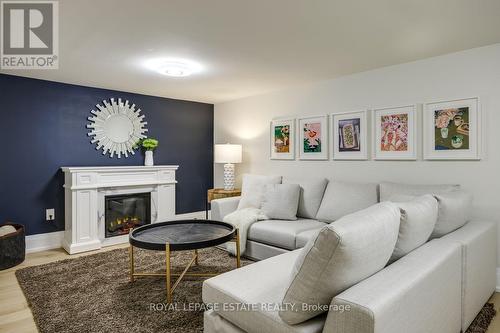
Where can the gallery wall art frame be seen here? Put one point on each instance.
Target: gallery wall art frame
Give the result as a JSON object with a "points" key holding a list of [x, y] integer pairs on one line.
{"points": [[312, 137], [349, 135], [452, 129], [394, 133], [282, 139]]}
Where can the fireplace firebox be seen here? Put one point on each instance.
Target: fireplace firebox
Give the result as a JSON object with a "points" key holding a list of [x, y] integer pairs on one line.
{"points": [[125, 212]]}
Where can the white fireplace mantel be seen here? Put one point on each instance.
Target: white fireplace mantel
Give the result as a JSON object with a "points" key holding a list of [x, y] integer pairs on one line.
{"points": [[86, 188]]}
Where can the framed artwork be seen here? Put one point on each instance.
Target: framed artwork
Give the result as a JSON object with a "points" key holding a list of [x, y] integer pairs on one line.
{"points": [[395, 133], [349, 135], [282, 139], [452, 130], [313, 138]]}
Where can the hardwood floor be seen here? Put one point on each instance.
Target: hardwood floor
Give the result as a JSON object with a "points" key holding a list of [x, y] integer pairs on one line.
{"points": [[15, 315]]}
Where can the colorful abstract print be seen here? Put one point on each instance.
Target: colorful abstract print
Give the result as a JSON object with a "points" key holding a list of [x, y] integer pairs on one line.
{"points": [[312, 138], [349, 134], [282, 139], [394, 132], [451, 129]]}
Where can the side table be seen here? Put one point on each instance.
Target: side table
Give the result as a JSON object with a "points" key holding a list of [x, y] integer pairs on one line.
{"points": [[218, 193]]}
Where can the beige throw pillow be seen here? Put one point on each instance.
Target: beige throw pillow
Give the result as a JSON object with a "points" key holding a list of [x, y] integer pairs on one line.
{"points": [[311, 194], [418, 218], [281, 201], [454, 211], [391, 191], [253, 189], [342, 198], [342, 254]]}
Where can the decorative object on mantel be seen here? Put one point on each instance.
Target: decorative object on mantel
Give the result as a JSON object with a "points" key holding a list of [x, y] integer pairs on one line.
{"points": [[116, 127], [149, 145], [12, 245], [228, 154]]}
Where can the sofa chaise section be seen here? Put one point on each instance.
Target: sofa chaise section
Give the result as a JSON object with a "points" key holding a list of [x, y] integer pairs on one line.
{"points": [[262, 285], [419, 293]]}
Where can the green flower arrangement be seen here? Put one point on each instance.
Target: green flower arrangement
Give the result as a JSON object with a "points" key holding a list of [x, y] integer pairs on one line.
{"points": [[147, 144]]}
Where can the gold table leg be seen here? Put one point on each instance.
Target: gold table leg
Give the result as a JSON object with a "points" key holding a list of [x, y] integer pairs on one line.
{"points": [[167, 272], [131, 260], [184, 273], [238, 261]]}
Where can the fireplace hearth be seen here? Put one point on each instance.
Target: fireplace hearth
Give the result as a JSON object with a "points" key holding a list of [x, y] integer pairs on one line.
{"points": [[125, 212]]}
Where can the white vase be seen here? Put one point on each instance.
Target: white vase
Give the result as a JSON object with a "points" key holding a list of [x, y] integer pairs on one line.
{"points": [[148, 161]]}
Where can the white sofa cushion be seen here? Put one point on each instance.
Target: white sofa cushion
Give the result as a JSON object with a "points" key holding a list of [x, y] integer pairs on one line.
{"points": [[342, 198], [418, 218], [253, 189], [281, 233], [392, 191], [454, 212], [260, 284], [305, 236], [342, 254], [311, 193], [281, 201]]}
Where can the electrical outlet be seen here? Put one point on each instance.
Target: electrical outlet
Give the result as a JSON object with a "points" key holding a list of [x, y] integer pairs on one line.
{"points": [[50, 214]]}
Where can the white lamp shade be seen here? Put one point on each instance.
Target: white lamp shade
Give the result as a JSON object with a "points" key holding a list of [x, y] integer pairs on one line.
{"points": [[227, 153]]}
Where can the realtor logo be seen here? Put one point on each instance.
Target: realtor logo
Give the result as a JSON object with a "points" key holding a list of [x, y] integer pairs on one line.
{"points": [[29, 35]]}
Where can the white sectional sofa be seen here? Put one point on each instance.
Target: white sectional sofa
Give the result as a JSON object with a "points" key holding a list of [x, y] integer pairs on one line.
{"points": [[438, 287]]}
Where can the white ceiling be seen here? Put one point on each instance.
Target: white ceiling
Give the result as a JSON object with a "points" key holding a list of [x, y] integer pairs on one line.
{"points": [[250, 47]]}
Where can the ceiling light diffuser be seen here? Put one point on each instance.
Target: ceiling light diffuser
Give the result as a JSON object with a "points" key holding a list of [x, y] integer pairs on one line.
{"points": [[174, 67]]}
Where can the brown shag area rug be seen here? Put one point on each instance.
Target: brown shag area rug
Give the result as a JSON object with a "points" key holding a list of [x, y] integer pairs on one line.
{"points": [[93, 293], [483, 319]]}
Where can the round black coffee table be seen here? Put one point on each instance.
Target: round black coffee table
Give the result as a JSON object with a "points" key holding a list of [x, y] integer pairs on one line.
{"points": [[180, 235]]}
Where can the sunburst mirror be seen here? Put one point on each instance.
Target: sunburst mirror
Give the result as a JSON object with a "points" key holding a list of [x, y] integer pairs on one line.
{"points": [[116, 127]]}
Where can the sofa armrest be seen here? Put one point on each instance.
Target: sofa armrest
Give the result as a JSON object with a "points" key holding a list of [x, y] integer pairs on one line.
{"points": [[479, 261], [222, 207], [419, 293]]}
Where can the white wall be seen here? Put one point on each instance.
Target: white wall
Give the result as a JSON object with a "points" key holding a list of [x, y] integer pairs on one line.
{"points": [[465, 74]]}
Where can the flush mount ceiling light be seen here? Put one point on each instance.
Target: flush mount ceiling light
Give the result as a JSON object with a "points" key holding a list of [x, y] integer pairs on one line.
{"points": [[173, 67]]}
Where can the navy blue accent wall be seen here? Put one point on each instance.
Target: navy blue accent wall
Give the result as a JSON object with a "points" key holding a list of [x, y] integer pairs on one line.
{"points": [[42, 128]]}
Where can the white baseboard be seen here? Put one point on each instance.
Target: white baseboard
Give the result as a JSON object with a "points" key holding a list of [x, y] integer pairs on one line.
{"points": [[54, 240], [42, 242], [194, 215], [498, 280]]}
